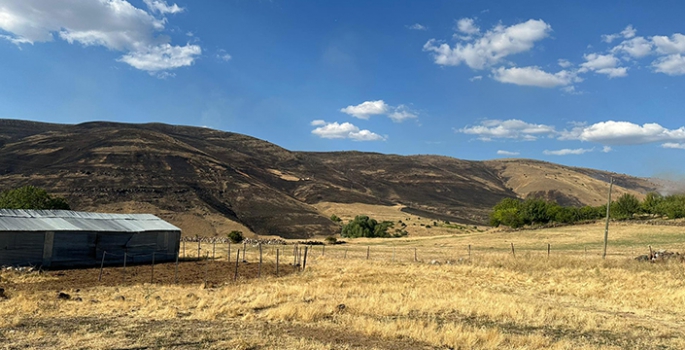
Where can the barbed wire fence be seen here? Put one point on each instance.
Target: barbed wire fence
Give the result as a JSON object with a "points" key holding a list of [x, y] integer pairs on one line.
{"points": [[229, 257]]}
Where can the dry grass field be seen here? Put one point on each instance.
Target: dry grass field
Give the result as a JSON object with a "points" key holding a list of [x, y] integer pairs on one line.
{"points": [[571, 300]]}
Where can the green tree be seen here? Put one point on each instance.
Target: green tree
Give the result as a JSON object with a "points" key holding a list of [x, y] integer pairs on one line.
{"points": [[625, 207], [30, 197], [534, 211], [363, 226], [651, 202], [335, 218], [236, 236], [507, 212]]}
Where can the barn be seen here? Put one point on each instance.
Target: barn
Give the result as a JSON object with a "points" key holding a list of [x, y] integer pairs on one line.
{"points": [[64, 238]]}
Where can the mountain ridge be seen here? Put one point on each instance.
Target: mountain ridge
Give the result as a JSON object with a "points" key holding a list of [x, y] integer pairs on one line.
{"points": [[228, 180]]}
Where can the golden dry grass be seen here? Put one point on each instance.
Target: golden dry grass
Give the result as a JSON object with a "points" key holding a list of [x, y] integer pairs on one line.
{"points": [[492, 301]]}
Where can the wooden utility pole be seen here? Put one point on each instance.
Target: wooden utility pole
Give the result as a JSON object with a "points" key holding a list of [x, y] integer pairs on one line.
{"points": [[606, 228]]}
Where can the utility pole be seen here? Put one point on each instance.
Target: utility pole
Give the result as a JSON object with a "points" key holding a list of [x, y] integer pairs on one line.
{"points": [[606, 228]]}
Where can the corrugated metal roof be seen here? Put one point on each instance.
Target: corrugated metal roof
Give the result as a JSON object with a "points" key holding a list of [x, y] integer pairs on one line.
{"points": [[66, 220]]}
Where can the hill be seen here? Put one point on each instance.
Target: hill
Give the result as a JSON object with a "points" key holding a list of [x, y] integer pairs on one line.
{"points": [[209, 182]]}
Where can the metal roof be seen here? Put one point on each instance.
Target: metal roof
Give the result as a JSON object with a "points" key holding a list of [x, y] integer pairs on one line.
{"points": [[67, 220]]}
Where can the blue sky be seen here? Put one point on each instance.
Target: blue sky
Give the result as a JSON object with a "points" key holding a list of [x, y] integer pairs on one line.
{"points": [[583, 83]]}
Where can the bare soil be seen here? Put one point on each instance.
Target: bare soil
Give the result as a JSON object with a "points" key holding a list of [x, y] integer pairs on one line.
{"points": [[216, 273]]}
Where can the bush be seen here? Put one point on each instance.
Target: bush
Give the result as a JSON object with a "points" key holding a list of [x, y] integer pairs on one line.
{"points": [[363, 226], [331, 240], [236, 236], [625, 207], [29, 197], [335, 218]]}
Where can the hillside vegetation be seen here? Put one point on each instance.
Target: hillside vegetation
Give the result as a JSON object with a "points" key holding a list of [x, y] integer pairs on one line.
{"points": [[210, 182]]}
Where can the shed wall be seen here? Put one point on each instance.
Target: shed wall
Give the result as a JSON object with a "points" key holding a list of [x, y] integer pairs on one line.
{"points": [[21, 248], [72, 249]]}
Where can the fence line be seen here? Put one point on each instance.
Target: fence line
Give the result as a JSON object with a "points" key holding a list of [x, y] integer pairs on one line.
{"points": [[303, 257]]}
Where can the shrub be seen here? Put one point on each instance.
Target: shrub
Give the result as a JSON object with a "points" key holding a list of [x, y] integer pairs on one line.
{"points": [[331, 240], [29, 197], [625, 207], [236, 236], [335, 218], [363, 226]]}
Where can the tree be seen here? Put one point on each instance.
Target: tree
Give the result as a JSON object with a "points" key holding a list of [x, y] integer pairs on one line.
{"points": [[363, 226], [507, 212], [30, 197], [335, 218], [650, 204], [236, 236], [625, 207]]}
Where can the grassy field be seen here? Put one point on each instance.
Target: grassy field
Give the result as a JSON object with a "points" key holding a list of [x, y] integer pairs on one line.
{"points": [[571, 300]]}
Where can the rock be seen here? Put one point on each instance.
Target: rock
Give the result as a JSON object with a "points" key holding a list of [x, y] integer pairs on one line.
{"points": [[119, 298], [63, 296], [340, 307], [78, 299]]}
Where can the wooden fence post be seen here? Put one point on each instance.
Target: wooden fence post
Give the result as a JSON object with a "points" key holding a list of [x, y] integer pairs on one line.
{"points": [[304, 262], [277, 253], [345, 257], [206, 267], [549, 248], [102, 264], [176, 271], [651, 253], [152, 271], [512, 250], [214, 249], [295, 255], [244, 251], [259, 272], [198, 249], [184, 249], [237, 262], [123, 278], [469, 251], [368, 250], [228, 257]]}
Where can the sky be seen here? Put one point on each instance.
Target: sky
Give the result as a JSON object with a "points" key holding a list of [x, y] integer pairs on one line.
{"points": [[597, 84]]}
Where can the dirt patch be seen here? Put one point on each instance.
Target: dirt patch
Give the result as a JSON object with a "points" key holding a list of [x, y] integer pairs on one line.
{"points": [[216, 273]]}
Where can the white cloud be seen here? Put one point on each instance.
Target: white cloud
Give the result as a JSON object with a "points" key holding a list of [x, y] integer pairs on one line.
{"points": [[467, 26], [636, 47], [507, 153], [629, 32], [671, 64], [223, 55], [477, 77], [510, 129], [603, 64], [564, 63], [401, 113], [343, 131], [161, 7], [489, 48], [673, 145], [114, 24], [666, 46], [318, 122], [162, 57], [369, 108], [626, 33], [534, 76], [567, 151], [606, 149], [417, 26], [624, 133]]}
